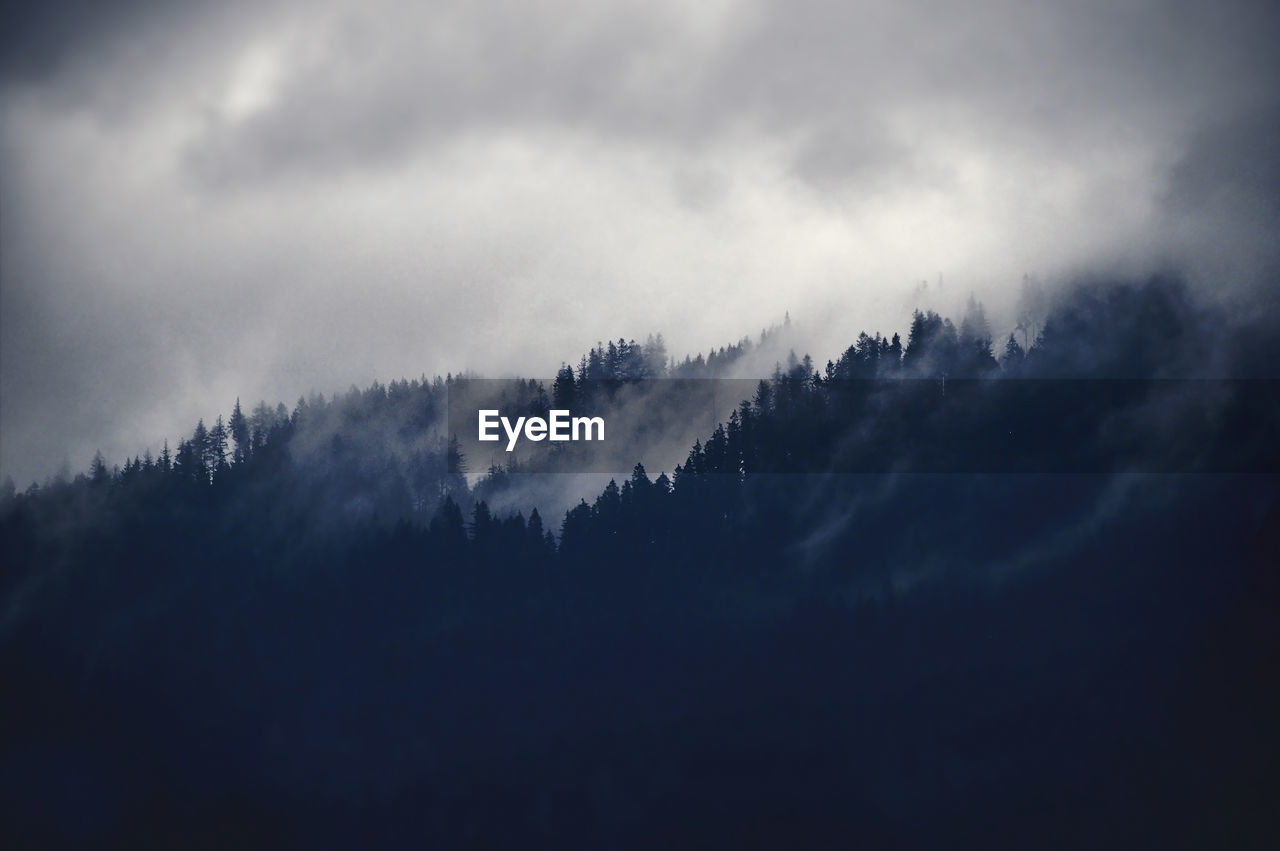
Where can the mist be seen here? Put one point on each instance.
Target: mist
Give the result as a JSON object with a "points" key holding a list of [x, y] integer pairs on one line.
{"points": [[261, 201]]}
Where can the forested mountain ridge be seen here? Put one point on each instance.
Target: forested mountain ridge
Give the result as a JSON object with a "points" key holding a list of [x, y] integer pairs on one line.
{"points": [[381, 455], [397, 429], [306, 627]]}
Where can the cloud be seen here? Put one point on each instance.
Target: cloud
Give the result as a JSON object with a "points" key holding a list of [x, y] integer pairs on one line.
{"points": [[202, 202]]}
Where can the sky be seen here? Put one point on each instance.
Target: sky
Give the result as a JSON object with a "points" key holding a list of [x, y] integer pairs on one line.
{"points": [[200, 202]]}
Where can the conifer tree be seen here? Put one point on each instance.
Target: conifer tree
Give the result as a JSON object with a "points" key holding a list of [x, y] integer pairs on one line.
{"points": [[216, 453], [98, 473], [238, 426], [563, 389], [1013, 354]]}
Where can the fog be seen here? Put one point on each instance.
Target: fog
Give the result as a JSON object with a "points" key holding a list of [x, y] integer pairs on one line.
{"points": [[262, 200]]}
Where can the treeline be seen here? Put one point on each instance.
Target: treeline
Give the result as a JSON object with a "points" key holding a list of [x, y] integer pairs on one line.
{"points": [[380, 456], [626, 361]]}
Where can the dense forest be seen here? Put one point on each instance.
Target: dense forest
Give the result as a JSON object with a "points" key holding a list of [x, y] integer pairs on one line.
{"points": [[947, 590]]}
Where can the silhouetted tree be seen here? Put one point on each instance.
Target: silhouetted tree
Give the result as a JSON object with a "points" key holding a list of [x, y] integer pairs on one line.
{"points": [[564, 389], [216, 451], [1013, 355], [98, 472], [238, 426]]}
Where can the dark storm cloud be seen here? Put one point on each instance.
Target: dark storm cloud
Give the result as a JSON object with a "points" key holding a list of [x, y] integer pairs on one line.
{"points": [[202, 201], [40, 39]]}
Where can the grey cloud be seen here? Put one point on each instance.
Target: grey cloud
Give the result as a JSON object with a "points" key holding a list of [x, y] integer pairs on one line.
{"points": [[386, 84], [1221, 201], [1231, 161], [865, 158], [208, 200], [1047, 77]]}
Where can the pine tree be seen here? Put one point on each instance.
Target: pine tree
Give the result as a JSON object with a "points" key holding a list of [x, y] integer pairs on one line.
{"points": [[98, 473], [198, 465], [482, 522], [655, 357], [917, 338], [608, 507], [563, 389], [975, 341], [456, 462], [1013, 354], [260, 423], [1033, 306], [216, 453], [447, 529], [894, 353], [239, 428]]}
